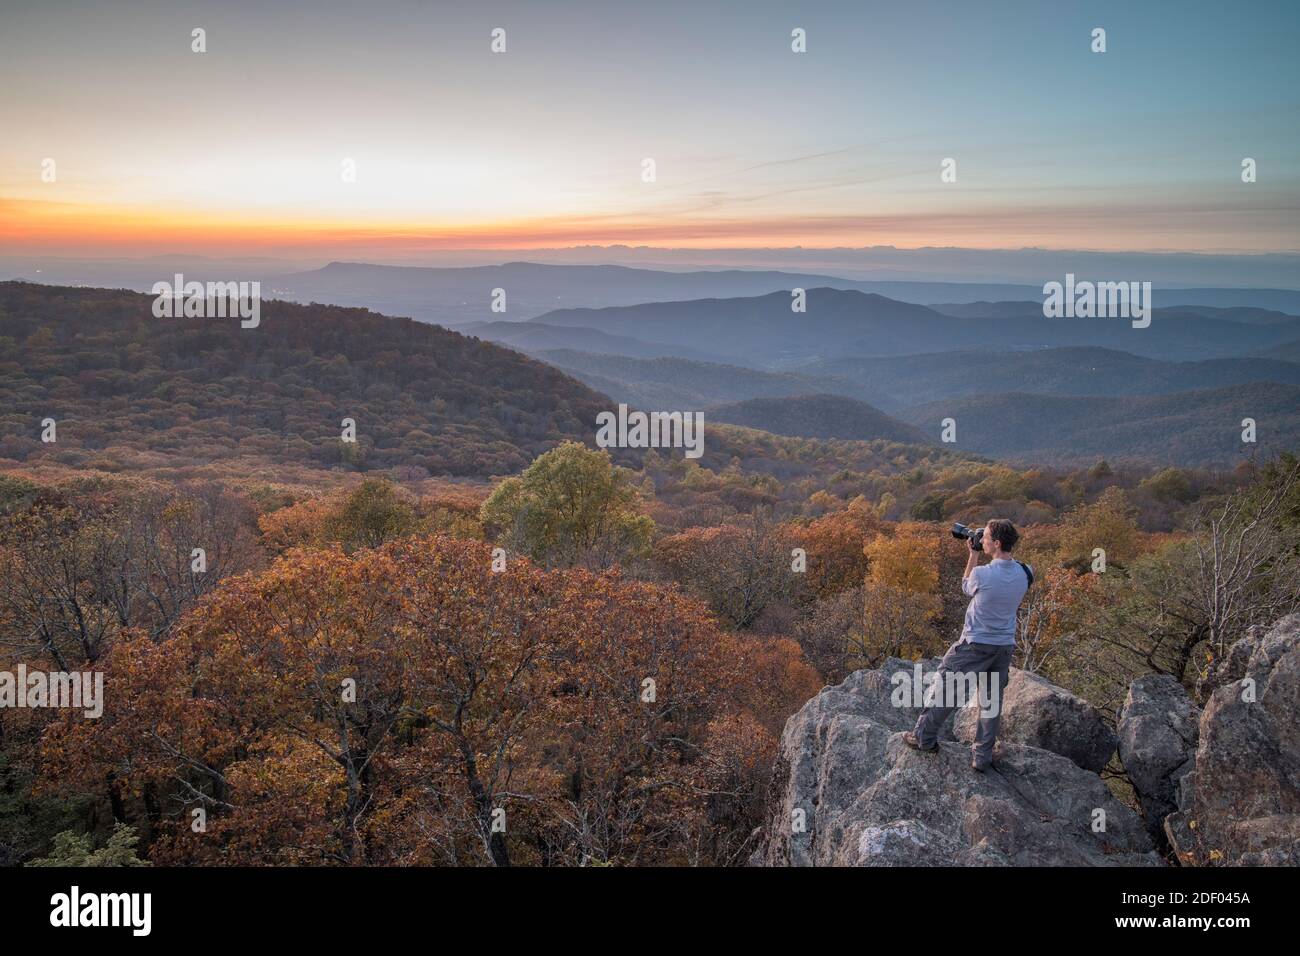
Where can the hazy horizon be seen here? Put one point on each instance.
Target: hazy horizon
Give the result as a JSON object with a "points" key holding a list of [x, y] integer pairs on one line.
{"points": [[880, 263]]}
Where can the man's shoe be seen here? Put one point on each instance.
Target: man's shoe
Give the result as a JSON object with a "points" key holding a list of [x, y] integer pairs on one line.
{"points": [[909, 738], [980, 767]]}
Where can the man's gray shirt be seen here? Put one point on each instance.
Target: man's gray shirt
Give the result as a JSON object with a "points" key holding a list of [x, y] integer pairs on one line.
{"points": [[996, 589]]}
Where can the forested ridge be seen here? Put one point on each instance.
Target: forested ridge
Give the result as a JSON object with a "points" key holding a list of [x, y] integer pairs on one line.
{"points": [[128, 390]]}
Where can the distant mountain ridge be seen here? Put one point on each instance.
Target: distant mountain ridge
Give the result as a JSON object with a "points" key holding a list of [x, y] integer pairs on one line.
{"points": [[455, 295], [455, 287], [459, 295], [764, 329], [1034, 309]]}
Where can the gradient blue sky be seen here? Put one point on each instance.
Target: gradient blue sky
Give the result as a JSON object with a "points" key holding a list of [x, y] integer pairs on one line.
{"points": [[238, 150]]}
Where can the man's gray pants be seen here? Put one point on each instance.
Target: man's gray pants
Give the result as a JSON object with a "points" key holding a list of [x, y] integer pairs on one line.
{"points": [[969, 658]]}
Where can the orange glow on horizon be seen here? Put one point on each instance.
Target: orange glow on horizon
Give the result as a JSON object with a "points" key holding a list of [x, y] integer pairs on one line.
{"points": [[34, 227]]}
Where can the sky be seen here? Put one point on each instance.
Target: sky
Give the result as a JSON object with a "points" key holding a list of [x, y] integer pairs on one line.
{"points": [[240, 150]]}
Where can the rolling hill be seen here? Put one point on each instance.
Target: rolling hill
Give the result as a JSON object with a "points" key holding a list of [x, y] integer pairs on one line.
{"points": [[897, 382], [536, 338], [1187, 428], [128, 390], [816, 416], [1286, 352], [667, 383]]}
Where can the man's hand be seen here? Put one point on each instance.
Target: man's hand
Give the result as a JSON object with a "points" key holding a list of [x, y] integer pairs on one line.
{"points": [[972, 562]]}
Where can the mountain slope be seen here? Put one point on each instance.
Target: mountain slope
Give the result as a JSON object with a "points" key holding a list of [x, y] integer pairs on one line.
{"points": [[130, 390], [897, 382], [1286, 352], [1201, 428], [816, 416], [675, 383], [1023, 308], [534, 338]]}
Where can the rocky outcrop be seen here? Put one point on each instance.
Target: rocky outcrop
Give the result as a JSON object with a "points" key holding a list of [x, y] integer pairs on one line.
{"points": [[1037, 713], [1157, 744], [1239, 803], [847, 791], [1221, 784]]}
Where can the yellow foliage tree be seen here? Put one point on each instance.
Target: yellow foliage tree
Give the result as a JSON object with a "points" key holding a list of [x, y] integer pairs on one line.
{"points": [[900, 596], [1108, 524]]}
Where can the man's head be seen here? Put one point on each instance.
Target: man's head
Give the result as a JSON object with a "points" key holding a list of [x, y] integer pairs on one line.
{"points": [[1000, 537]]}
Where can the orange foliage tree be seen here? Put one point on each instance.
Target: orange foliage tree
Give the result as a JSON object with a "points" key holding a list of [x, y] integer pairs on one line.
{"points": [[409, 705], [1053, 610], [835, 544], [739, 569]]}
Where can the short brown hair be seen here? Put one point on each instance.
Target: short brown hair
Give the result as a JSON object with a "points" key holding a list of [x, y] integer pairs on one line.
{"points": [[1004, 533]]}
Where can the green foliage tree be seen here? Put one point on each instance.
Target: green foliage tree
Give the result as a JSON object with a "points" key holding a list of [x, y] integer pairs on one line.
{"points": [[1178, 610], [370, 515], [28, 821], [570, 506], [77, 849], [1172, 484], [929, 508]]}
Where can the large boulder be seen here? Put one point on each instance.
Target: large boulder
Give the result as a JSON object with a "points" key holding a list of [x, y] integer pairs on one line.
{"points": [[1240, 802], [1157, 744], [1037, 713], [846, 791]]}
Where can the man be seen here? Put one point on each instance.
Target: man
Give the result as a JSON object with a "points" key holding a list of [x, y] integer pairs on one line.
{"points": [[987, 642]]}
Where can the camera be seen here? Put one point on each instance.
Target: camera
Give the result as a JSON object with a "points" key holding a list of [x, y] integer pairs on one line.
{"points": [[975, 537]]}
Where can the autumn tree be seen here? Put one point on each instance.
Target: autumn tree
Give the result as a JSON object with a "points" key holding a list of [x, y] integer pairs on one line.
{"points": [[738, 569], [369, 514], [411, 705], [1108, 523], [834, 545], [78, 570], [1054, 617], [1179, 609], [900, 595], [832, 631]]}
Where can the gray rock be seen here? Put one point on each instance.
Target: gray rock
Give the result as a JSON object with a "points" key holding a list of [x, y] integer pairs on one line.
{"points": [[1038, 713], [1241, 804], [846, 791], [1157, 741]]}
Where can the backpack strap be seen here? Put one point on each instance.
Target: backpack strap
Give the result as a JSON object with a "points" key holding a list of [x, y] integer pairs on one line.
{"points": [[1029, 573]]}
